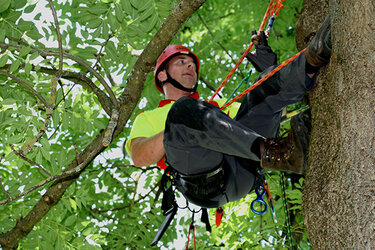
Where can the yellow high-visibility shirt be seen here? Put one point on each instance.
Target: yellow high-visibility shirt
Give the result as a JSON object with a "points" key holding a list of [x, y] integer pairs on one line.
{"points": [[152, 122]]}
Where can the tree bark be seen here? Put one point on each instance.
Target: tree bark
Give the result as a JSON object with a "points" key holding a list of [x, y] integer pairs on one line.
{"points": [[339, 191]]}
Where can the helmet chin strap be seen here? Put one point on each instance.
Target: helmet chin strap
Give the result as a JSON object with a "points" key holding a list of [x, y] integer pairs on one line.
{"points": [[178, 85]]}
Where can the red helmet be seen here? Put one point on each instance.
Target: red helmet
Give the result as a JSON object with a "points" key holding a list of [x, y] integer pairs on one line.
{"points": [[166, 55]]}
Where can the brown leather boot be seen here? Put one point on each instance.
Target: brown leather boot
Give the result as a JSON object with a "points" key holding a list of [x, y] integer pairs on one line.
{"points": [[284, 153], [318, 52]]}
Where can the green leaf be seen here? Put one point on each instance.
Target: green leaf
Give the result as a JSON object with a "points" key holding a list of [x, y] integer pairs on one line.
{"points": [[28, 68], [87, 231], [2, 32], [95, 23], [73, 204], [3, 60], [70, 220], [98, 9], [34, 55], [146, 14], [34, 34], [29, 8], [15, 66], [119, 13], [15, 139], [25, 51], [18, 4], [13, 16], [4, 5]]}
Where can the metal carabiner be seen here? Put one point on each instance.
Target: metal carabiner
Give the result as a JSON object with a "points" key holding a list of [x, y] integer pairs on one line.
{"points": [[260, 193]]}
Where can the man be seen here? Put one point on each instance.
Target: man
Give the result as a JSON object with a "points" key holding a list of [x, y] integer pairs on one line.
{"points": [[213, 158]]}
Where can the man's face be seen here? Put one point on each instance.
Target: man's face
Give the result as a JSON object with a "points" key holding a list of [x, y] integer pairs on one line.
{"points": [[183, 69]]}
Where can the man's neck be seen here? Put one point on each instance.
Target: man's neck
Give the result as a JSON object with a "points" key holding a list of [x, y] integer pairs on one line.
{"points": [[172, 93], [176, 96]]}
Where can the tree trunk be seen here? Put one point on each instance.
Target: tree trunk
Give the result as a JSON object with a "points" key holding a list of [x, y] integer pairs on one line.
{"points": [[339, 192]]}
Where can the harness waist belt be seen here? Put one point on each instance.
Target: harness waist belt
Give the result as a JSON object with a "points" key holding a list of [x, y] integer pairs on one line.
{"points": [[201, 187]]}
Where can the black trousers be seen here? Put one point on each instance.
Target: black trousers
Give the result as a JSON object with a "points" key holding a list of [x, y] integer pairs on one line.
{"points": [[199, 137]]}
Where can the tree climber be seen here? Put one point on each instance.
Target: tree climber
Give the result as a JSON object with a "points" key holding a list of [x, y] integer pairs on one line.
{"points": [[213, 158]]}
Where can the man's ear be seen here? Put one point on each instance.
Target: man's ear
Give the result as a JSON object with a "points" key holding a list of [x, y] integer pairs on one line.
{"points": [[162, 75]]}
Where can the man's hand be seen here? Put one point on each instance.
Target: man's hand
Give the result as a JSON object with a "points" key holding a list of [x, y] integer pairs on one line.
{"points": [[146, 151], [264, 56]]}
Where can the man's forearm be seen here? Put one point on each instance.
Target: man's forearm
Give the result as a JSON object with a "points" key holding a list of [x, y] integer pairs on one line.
{"points": [[146, 151]]}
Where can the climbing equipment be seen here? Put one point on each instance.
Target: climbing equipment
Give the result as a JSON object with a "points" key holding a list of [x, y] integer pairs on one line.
{"points": [[219, 216], [286, 211], [260, 192], [260, 81], [191, 227], [273, 10], [169, 206], [270, 201], [166, 55]]}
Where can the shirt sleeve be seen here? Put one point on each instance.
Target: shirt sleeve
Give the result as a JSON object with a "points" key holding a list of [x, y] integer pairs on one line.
{"points": [[142, 127]]}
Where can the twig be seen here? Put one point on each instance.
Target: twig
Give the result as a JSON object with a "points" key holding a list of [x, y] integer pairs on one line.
{"points": [[110, 77], [101, 51], [65, 174], [115, 179], [100, 211], [81, 79], [77, 154], [15, 78], [61, 58], [54, 132], [49, 110], [77, 60], [94, 210], [22, 156], [2, 187]]}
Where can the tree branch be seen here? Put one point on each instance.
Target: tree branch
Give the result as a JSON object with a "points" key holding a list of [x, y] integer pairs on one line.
{"points": [[74, 58], [49, 110], [15, 78], [23, 157], [128, 100], [85, 82], [61, 58]]}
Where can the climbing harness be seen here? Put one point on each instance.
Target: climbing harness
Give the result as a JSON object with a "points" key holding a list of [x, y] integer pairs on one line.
{"points": [[169, 205]]}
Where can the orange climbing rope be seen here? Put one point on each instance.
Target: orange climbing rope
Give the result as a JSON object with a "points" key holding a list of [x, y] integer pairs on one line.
{"points": [[273, 10], [260, 81]]}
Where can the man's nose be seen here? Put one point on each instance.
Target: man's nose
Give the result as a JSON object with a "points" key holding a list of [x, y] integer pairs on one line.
{"points": [[191, 65]]}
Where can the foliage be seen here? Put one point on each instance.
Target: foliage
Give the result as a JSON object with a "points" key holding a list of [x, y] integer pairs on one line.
{"points": [[113, 205]]}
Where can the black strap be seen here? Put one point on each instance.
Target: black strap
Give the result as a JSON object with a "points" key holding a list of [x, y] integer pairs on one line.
{"points": [[168, 194], [204, 219], [178, 85]]}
